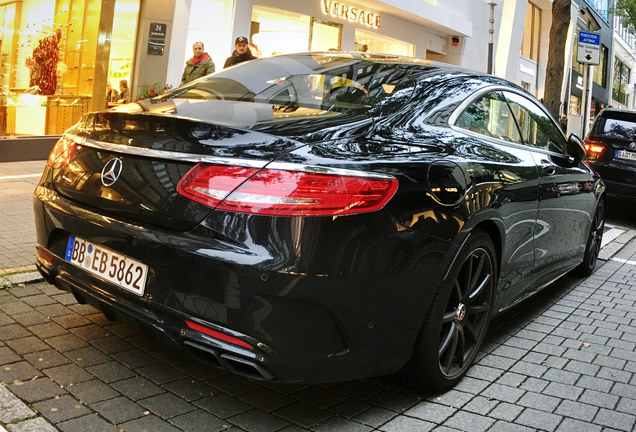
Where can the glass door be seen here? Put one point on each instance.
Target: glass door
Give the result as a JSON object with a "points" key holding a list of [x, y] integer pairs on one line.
{"points": [[324, 35], [278, 31], [374, 43]]}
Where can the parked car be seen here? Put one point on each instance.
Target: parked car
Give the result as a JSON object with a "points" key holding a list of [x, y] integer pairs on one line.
{"points": [[320, 217], [611, 151]]}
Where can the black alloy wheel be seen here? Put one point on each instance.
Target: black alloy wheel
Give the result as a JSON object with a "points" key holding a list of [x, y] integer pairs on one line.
{"points": [[594, 240], [456, 325], [466, 317]]}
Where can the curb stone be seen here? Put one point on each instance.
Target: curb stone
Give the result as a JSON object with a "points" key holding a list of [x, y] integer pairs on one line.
{"points": [[14, 412], [6, 281], [616, 245]]}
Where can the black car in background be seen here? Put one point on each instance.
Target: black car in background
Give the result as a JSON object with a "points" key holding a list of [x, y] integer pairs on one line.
{"points": [[611, 151], [320, 216]]}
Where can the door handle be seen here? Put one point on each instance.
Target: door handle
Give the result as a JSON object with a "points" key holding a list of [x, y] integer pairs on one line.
{"points": [[547, 167]]}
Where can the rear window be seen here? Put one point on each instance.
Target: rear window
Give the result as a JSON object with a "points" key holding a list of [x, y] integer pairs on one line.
{"points": [[292, 83], [617, 125]]}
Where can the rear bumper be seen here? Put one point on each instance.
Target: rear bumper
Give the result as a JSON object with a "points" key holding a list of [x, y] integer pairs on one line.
{"points": [[168, 327], [303, 327]]}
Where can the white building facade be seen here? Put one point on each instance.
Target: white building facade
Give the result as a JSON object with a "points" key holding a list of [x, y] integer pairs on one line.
{"points": [[623, 70]]}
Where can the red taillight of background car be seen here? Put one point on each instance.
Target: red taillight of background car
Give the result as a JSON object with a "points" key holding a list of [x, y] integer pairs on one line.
{"points": [[594, 149], [62, 153], [285, 192]]}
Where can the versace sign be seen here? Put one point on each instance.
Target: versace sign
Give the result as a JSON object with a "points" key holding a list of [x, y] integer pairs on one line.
{"points": [[350, 13]]}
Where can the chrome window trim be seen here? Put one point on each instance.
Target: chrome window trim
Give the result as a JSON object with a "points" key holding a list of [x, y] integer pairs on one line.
{"points": [[475, 95], [194, 158]]}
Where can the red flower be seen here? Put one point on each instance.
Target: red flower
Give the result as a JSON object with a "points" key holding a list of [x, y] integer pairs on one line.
{"points": [[154, 93]]}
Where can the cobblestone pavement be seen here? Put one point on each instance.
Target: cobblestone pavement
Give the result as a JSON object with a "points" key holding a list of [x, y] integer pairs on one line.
{"points": [[17, 233], [564, 361]]}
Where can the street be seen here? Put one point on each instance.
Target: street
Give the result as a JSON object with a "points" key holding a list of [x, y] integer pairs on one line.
{"points": [[562, 361]]}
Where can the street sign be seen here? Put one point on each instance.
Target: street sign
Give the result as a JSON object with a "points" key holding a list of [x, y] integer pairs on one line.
{"points": [[589, 48]]}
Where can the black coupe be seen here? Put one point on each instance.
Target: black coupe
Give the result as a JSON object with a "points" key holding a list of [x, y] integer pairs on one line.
{"points": [[320, 216]]}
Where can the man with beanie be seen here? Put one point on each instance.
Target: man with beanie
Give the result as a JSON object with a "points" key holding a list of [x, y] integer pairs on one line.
{"points": [[241, 53], [198, 66]]}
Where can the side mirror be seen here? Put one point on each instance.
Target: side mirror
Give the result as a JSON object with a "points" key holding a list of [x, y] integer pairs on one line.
{"points": [[576, 147]]}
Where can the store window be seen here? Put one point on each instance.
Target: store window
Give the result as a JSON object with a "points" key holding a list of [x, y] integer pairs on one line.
{"points": [[324, 35], [122, 46], [9, 15], [57, 57], [600, 70], [531, 32], [79, 22], [204, 16], [621, 81], [277, 31], [371, 42]]}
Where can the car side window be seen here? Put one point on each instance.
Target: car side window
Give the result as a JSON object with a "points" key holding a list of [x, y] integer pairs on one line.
{"points": [[490, 115], [537, 128]]}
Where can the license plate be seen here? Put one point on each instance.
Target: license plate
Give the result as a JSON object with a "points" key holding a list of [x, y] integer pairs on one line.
{"points": [[117, 268], [624, 154]]}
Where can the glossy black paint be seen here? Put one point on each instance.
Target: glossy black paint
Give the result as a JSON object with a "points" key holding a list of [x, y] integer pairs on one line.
{"points": [[321, 298]]}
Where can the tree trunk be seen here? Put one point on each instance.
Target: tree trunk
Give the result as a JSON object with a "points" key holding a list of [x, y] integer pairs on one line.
{"points": [[556, 56]]}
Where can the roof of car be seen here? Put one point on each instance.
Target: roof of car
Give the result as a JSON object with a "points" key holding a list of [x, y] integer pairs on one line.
{"points": [[388, 58], [617, 110]]}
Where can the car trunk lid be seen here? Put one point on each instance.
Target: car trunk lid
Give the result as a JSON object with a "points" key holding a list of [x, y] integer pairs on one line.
{"points": [[130, 165]]}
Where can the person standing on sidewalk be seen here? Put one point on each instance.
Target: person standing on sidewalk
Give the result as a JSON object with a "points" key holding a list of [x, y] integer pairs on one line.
{"points": [[241, 53], [199, 65]]}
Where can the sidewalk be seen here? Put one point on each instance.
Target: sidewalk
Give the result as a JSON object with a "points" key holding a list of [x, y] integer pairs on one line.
{"points": [[17, 230], [564, 361]]}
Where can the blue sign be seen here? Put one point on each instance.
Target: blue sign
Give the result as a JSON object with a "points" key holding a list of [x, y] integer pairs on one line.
{"points": [[589, 38]]}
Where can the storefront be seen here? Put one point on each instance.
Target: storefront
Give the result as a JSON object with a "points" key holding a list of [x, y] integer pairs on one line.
{"points": [[288, 26], [56, 58]]}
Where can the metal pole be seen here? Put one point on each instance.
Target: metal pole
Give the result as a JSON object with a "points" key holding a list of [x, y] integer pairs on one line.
{"points": [[586, 102], [588, 98], [491, 32]]}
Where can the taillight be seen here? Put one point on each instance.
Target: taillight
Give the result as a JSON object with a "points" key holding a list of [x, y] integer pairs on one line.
{"points": [[45, 255], [285, 192], [62, 153], [594, 149]]}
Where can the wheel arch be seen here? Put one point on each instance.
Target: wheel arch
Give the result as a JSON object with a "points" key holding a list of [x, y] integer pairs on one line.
{"points": [[493, 231]]}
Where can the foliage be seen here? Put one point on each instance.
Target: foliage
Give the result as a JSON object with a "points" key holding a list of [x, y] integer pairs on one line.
{"points": [[626, 10], [150, 91]]}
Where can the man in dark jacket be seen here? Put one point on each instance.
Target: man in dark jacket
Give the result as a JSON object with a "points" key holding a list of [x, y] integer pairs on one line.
{"points": [[241, 53], [199, 65]]}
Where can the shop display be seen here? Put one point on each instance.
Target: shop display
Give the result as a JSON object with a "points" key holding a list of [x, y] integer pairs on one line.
{"points": [[43, 65], [50, 72]]}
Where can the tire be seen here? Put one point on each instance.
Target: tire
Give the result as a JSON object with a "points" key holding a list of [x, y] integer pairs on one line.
{"points": [[456, 324], [593, 244]]}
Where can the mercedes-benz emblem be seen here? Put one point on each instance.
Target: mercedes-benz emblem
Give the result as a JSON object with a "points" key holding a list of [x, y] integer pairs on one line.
{"points": [[632, 145], [111, 171]]}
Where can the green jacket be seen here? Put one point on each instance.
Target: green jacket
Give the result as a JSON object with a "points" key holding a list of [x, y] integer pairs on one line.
{"points": [[202, 68]]}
